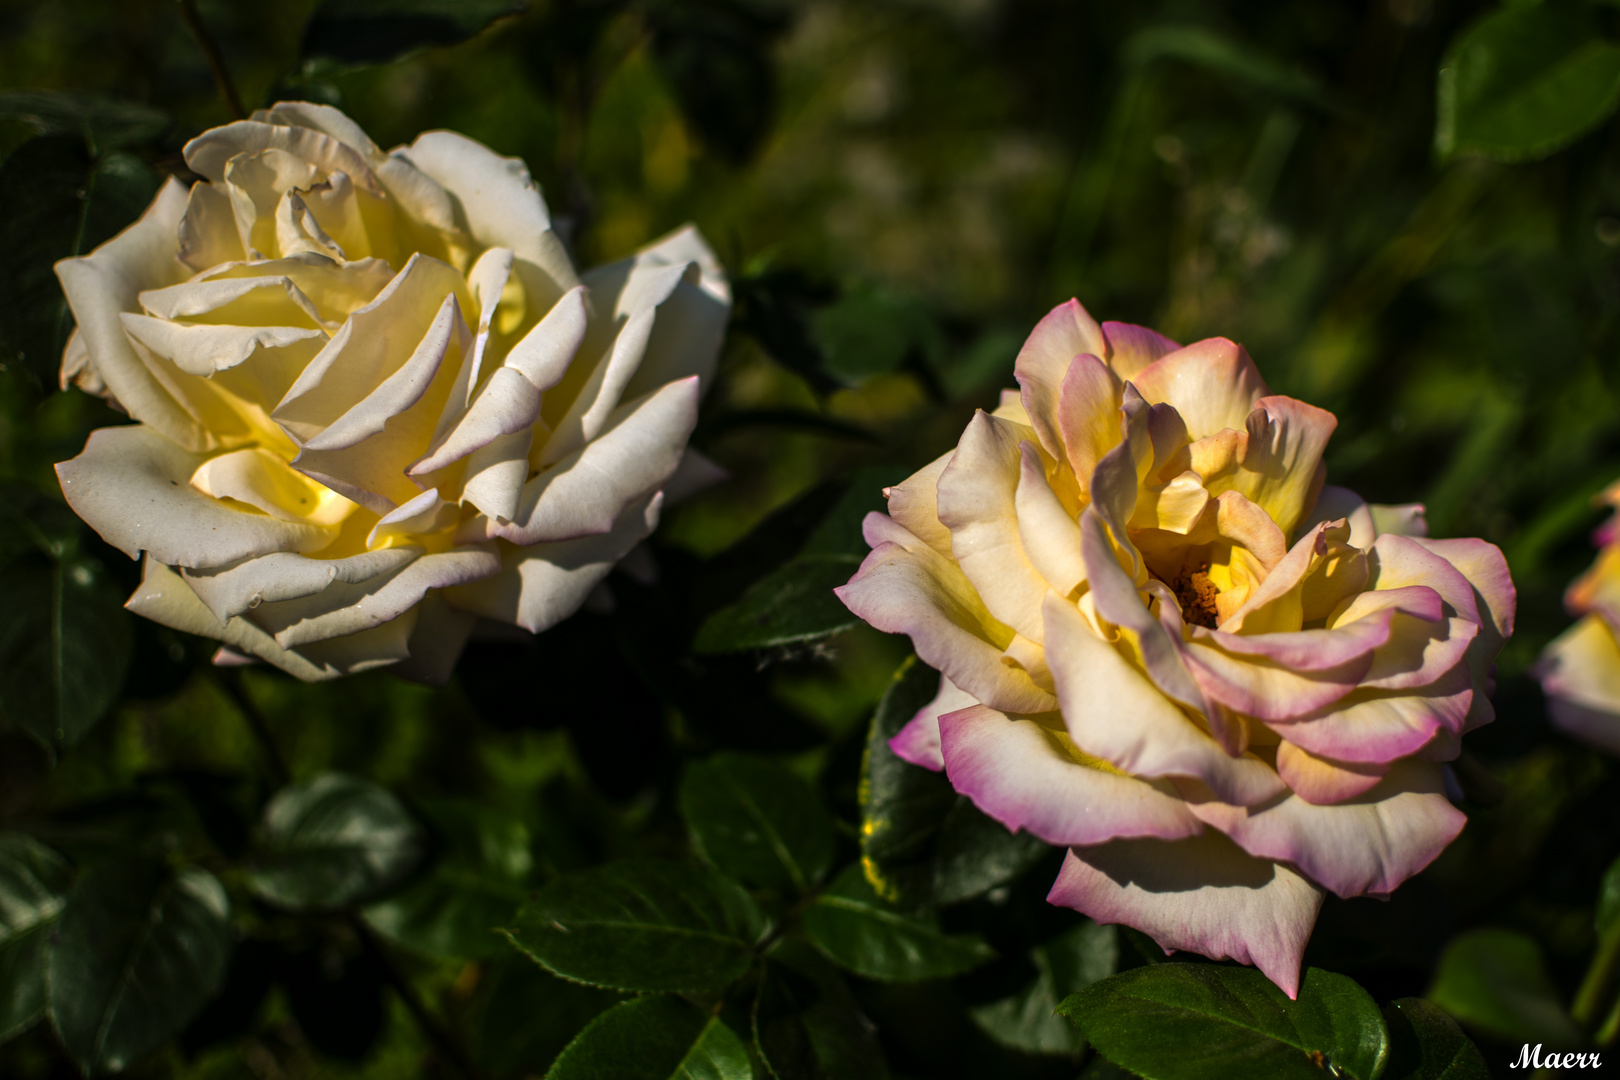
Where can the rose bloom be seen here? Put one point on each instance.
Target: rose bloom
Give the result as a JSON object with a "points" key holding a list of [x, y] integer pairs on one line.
{"points": [[1580, 670], [374, 401], [1166, 646]]}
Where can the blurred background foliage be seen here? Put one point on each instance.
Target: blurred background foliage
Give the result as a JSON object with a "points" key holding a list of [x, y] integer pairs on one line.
{"points": [[1407, 210]]}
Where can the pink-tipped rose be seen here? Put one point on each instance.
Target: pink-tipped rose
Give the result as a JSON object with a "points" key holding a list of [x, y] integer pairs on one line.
{"points": [[1580, 670], [1165, 645]]}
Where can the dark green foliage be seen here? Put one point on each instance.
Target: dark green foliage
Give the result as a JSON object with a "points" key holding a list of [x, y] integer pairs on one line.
{"points": [[139, 948], [33, 886], [806, 1024], [754, 819], [333, 841], [655, 1038], [1496, 981], [1526, 80], [59, 201], [377, 31], [921, 842], [1426, 1044], [641, 925], [856, 928], [1206, 1022], [1026, 1019]]}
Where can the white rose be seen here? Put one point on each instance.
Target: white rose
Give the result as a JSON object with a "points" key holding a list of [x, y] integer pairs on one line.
{"points": [[374, 401]]}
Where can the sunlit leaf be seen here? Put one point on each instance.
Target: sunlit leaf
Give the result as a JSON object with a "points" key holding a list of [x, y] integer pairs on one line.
{"points": [[856, 928], [333, 841], [641, 925], [138, 951], [1210, 1022]]}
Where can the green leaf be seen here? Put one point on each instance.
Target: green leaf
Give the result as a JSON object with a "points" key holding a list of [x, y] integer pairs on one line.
{"points": [[138, 951], [64, 646], [655, 1038], [33, 887], [1210, 1022], [795, 603], [806, 1023], [641, 925], [59, 203], [856, 928], [332, 841], [1524, 81], [455, 909], [523, 1016], [921, 842], [345, 32], [757, 821], [102, 123], [1426, 1044], [1070, 962], [1495, 980]]}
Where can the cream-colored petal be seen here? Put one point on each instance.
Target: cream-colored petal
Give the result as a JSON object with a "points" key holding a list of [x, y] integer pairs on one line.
{"points": [[914, 503], [263, 479], [1067, 331], [1212, 383], [102, 285], [133, 487], [365, 452], [229, 591], [586, 492], [977, 503], [1051, 537], [540, 585]]}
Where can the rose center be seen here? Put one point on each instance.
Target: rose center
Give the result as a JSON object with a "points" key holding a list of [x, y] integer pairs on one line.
{"points": [[1196, 594]]}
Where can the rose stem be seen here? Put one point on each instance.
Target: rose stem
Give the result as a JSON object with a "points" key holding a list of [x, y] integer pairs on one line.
{"points": [[216, 62]]}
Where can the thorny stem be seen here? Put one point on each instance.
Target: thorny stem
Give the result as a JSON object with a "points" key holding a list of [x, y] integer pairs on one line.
{"points": [[216, 61]]}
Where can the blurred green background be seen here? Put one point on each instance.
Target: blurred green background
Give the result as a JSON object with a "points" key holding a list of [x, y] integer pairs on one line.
{"points": [[900, 189]]}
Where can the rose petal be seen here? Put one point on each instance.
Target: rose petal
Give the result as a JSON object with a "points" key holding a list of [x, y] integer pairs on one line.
{"points": [[1066, 332], [914, 503], [1028, 776], [1113, 712], [1212, 383], [1364, 846], [1202, 894], [587, 492], [133, 487], [1321, 781], [1050, 534], [102, 285], [1580, 672], [1088, 415], [977, 503], [1132, 348], [1382, 725], [540, 585], [918, 741], [906, 587]]}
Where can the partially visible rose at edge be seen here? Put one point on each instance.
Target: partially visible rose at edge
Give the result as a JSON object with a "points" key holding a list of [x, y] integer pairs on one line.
{"points": [[373, 399], [1580, 669], [1164, 644]]}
